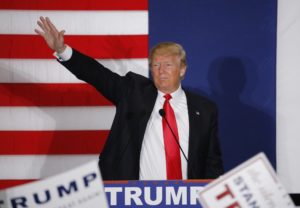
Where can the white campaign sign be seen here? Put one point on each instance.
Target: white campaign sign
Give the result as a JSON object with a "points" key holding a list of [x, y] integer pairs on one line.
{"points": [[252, 184], [78, 188]]}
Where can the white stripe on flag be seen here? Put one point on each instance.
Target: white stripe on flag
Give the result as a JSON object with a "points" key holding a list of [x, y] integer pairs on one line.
{"points": [[49, 71], [39, 166], [18, 25], [56, 118], [288, 94], [77, 22]]}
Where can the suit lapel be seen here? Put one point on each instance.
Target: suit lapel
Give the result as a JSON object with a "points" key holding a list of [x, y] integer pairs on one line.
{"points": [[195, 123], [146, 109]]}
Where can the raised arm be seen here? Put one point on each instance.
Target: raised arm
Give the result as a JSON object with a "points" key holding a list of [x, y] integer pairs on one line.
{"points": [[82, 66], [53, 37]]}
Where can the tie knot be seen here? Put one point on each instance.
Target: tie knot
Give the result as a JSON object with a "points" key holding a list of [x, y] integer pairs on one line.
{"points": [[167, 97]]}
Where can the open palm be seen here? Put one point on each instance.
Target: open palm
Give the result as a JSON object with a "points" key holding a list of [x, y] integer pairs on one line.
{"points": [[53, 37]]}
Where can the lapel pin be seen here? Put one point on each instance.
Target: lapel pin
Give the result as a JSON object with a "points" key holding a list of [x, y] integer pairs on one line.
{"points": [[197, 113]]}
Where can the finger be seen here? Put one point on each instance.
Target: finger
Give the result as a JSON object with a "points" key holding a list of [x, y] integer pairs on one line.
{"points": [[45, 24], [39, 32], [41, 25], [51, 25]]}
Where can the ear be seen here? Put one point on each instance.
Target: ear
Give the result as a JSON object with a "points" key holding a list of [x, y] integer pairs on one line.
{"points": [[182, 71]]}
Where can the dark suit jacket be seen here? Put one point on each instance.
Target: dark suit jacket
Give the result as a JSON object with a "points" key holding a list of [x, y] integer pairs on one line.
{"points": [[134, 97]]}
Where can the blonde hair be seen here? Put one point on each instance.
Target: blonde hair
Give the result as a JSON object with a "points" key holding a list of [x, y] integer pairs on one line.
{"points": [[168, 48]]}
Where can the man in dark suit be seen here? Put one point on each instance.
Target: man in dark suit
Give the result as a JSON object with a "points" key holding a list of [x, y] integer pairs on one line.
{"points": [[160, 131]]}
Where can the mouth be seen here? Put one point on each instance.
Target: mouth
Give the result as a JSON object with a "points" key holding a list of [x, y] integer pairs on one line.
{"points": [[163, 78]]}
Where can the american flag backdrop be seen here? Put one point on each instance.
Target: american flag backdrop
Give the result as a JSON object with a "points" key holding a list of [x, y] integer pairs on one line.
{"points": [[50, 120]]}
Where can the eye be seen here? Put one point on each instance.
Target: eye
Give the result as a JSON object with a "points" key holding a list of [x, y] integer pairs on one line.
{"points": [[155, 65]]}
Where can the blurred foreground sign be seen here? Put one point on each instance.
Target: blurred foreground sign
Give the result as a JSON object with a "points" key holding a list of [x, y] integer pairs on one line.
{"points": [[78, 188], [252, 184]]}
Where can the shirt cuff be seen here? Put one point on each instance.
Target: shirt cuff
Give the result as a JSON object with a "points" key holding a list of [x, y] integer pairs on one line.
{"points": [[65, 55]]}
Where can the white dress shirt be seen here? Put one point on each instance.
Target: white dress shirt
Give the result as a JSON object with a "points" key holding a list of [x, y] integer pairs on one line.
{"points": [[153, 159]]}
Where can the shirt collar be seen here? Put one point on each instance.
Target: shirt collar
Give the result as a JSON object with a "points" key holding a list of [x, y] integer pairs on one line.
{"points": [[175, 95]]}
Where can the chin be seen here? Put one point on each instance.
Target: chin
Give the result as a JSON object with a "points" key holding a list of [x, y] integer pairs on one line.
{"points": [[165, 90]]}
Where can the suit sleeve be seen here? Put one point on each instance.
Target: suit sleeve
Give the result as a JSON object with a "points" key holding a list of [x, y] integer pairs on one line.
{"points": [[85, 68]]}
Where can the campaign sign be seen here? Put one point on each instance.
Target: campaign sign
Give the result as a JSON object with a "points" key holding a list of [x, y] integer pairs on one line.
{"points": [[81, 187], [252, 184], [154, 193]]}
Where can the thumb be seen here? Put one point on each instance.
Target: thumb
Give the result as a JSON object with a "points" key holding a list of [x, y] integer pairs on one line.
{"points": [[62, 33]]}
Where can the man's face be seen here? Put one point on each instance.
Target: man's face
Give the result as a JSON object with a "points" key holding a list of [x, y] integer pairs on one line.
{"points": [[167, 72]]}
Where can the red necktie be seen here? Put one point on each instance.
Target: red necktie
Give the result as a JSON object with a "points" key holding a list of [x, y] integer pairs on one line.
{"points": [[172, 151]]}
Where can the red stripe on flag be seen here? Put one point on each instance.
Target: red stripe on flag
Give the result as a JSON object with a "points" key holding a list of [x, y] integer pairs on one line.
{"points": [[61, 94], [74, 5], [52, 142], [97, 46], [11, 183]]}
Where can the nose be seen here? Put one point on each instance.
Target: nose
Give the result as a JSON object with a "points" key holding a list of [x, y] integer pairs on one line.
{"points": [[161, 69]]}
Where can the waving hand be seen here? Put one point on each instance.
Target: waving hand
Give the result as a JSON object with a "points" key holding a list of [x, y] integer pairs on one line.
{"points": [[53, 37]]}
